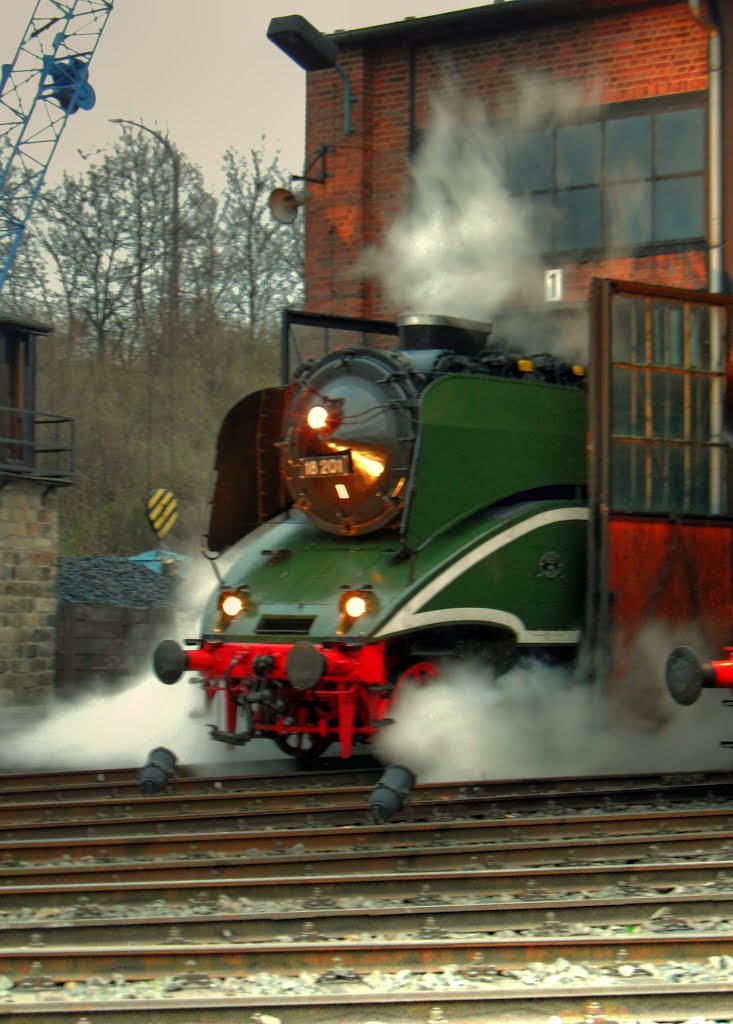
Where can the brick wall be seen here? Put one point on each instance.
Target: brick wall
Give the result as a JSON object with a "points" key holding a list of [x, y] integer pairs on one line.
{"points": [[28, 556], [639, 53], [47, 649]]}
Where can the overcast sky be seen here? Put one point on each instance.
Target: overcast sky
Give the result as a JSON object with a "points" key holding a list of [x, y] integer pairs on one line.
{"points": [[204, 71]]}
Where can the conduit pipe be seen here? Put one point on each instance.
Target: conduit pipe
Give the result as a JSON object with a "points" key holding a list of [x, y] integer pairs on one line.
{"points": [[703, 13]]}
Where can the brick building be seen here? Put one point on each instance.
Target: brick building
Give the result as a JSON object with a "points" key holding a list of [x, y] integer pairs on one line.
{"points": [[602, 131], [632, 182], [35, 459]]}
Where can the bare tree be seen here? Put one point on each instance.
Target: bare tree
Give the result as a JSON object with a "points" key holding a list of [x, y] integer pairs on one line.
{"points": [[26, 290], [122, 272], [262, 260]]}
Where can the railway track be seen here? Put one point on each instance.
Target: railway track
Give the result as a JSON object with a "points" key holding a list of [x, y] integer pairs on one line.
{"points": [[275, 898]]}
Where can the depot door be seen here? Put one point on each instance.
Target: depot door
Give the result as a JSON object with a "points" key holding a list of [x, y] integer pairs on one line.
{"points": [[660, 550]]}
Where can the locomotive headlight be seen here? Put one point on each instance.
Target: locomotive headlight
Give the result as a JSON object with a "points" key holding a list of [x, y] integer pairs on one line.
{"points": [[317, 417], [353, 604], [326, 416], [232, 603]]}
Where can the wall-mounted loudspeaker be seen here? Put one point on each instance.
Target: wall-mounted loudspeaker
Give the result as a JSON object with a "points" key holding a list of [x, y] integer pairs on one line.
{"points": [[284, 205]]}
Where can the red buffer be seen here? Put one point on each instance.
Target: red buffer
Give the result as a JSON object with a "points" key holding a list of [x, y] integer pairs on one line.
{"points": [[686, 674]]}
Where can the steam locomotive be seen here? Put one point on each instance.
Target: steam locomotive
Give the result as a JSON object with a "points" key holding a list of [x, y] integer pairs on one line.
{"points": [[396, 507]]}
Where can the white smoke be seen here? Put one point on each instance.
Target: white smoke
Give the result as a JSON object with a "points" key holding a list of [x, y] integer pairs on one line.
{"points": [[538, 721], [115, 731], [110, 730], [541, 100], [462, 244]]}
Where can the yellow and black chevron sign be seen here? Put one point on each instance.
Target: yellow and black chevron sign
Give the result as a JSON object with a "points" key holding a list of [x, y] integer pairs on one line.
{"points": [[161, 509]]}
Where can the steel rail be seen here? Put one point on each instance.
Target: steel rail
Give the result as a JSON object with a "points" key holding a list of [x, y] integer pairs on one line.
{"points": [[71, 963], [232, 856], [475, 898], [427, 913], [535, 884], [508, 1005], [329, 866], [360, 770], [342, 805], [124, 784], [174, 829]]}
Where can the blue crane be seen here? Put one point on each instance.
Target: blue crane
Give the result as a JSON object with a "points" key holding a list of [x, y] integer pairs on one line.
{"points": [[46, 83]]}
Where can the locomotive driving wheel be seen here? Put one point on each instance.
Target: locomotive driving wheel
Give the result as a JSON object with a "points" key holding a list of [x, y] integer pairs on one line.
{"points": [[303, 746], [419, 674]]}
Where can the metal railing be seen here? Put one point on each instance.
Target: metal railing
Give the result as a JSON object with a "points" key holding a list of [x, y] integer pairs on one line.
{"points": [[305, 336], [36, 445]]}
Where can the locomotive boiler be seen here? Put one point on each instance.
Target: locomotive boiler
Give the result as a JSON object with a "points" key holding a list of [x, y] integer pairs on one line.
{"points": [[391, 511]]}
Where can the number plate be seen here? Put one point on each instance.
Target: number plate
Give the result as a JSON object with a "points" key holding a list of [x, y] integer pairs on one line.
{"points": [[325, 465]]}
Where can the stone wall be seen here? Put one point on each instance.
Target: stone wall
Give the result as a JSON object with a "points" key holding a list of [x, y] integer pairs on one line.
{"points": [[28, 560], [101, 647]]}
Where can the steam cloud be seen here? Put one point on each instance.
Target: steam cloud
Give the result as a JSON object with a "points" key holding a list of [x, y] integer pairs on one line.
{"points": [[114, 731], [463, 246], [538, 721], [109, 730], [535, 721]]}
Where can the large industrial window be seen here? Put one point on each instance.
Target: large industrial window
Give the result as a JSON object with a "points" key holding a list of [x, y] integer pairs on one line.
{"points": [[668, 453], [632, 179]]}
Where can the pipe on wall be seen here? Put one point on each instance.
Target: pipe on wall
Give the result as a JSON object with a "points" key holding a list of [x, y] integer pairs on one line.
{"points": [[703, 13]]}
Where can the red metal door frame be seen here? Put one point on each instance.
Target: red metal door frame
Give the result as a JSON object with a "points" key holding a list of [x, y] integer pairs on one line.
{"points": [[649, 563]]}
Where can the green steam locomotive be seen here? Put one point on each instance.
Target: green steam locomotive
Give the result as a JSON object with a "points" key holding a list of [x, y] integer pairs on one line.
{"points": [[413, 497]]}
